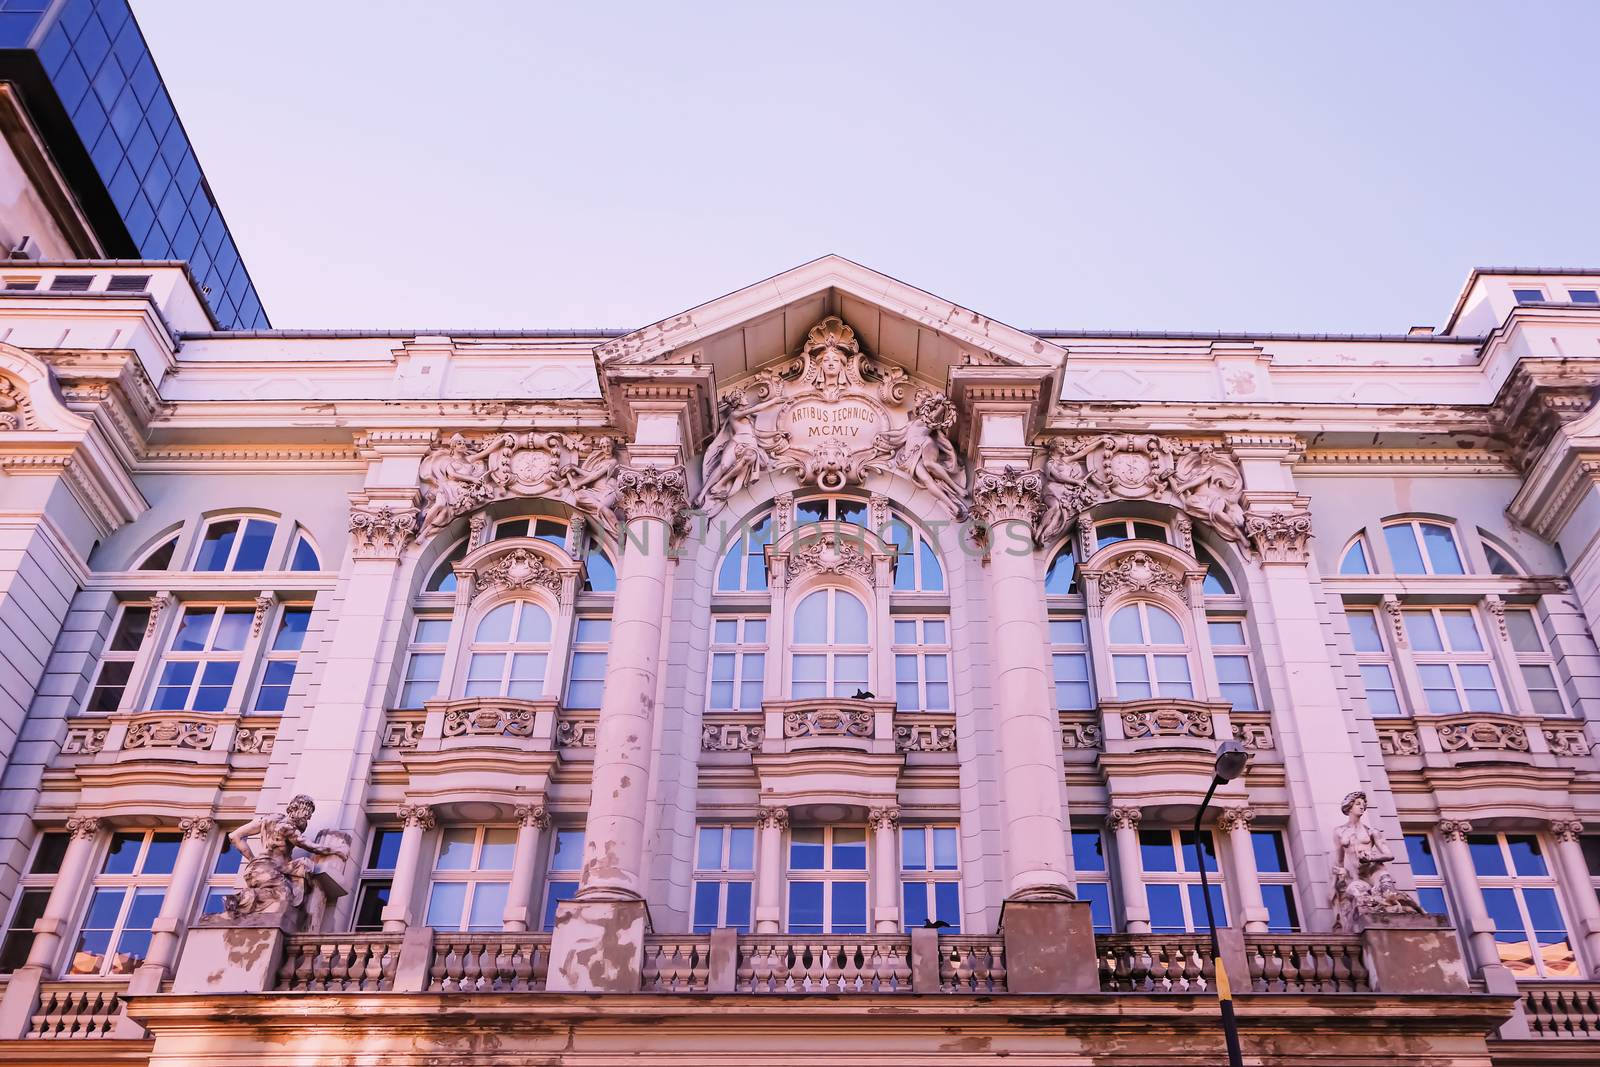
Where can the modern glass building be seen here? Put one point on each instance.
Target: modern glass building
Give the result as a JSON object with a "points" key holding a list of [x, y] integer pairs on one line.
{"points": [[91, 86]]}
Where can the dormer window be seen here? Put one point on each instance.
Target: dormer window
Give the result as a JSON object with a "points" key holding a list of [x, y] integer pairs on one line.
{"points": [[1529, 296]]}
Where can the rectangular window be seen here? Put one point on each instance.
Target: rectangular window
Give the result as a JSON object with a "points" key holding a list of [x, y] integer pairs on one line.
{"points": [[1529, 296], [33, 893], [71, 283], [828, 880], [22, 285], [566, 860], [198, 671], [1277, 883], [1069, 662], [930, 885], [1584, 296], [1425, 868], [1172, 881], [277, 672], [424, 660], [921, 664], [738, 662], [471, 877], [1094, 877], [1519, 892], [224, 880], [377, 876], [587, 678], [1591, 859], [116, 662], [724, 866], [1535, 661], [114, 935], [1372, 651], [1453, 661], [1231, 654]]}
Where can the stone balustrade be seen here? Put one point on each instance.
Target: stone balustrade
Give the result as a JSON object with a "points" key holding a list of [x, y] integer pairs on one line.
{"points": [[1154, 963], [676, 963], [488, 963], [972, 964], [1562, 1009], [336, 963], [1306, 963], [70, 1010], [825, 963]]}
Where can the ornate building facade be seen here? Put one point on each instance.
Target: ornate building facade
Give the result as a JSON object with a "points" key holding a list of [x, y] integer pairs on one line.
{"points": [[826, 671]]}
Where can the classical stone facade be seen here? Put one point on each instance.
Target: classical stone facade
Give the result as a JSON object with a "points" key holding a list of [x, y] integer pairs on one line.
{"points": [[828, 670]]}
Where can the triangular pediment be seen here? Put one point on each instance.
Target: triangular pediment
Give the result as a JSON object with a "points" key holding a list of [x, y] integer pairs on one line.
{"points": [[740, 333]]}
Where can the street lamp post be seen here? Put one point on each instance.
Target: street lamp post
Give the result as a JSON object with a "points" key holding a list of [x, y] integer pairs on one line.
{"points": [[1231, 760]]}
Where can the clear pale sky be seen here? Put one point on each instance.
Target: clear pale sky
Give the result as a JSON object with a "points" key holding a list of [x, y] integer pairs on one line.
{"points": [[1234, 166]]}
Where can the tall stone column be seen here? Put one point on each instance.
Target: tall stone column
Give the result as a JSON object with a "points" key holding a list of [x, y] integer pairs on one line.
{"points": [[1028, 727], [1463, 880], [770, 825], [1235, 822], [886, 870], [415, 820], [1124, 824], [598, 942], [1575, 874], [175, 906], [532, 820]]}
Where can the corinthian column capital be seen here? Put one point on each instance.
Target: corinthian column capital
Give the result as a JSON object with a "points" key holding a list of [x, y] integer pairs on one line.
{"points": [[1008, 494], [653, 493]]}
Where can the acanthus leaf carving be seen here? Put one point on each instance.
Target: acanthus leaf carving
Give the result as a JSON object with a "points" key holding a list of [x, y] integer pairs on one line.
{"points": [[16, 411], [830, 553], [462, 475], [1201, 479], [654, 493], [517, 569], [1008, 494], [1279, 536], [382, 532]]}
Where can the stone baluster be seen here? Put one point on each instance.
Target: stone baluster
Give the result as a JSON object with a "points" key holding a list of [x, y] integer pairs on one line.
{"points": [[1575, 873], [1235, 822], [1463, 880], [771, 824], [177, 905], [415, 820], [532, 820], [1124, 824], [886, 872]]}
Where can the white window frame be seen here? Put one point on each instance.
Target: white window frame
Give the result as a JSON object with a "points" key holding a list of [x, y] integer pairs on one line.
{"points": [[204, 657], [1517, 292], [1149, 653], [36, 885], [133, 886], [1083, 875], [230, 563], [511, 653], [717, 877], [1415, 526], [303, 538], [921, 653], [829, 876], [1233, 652], [275, 651], [1451, 658], [420, 652], [592, 641], [750, 547], [738, 662], [1534, 660], [136, 617], [548, 528], [1069, 645], [1185, 876], [829, 650], [475, 877], [1283, 878], [927, 878], [1370, 661], [1130, 531], [564, 879], [1518, 885], [375, 878]]}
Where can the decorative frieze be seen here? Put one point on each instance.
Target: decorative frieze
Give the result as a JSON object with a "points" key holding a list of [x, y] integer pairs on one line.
{"points": [[1483, 735], [255, 740], [577, 733], [382, 532], [1399, 741], [1566, 740], [517, 569], [1201, 479], [924, 737], [488, 721], [578, 470], [83, 740], [1279, 536], [1254, 735], [1139, 572], [16, 410], [828, 722], [170, 733], [731, 737], [1168, 722], [1007, 495], [1082, 733]]}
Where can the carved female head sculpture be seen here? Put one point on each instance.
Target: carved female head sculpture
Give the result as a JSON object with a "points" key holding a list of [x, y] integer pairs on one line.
{"points": [[1349, 802]]}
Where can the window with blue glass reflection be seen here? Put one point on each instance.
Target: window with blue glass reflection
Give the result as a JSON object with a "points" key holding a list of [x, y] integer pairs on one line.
{"points": [[1172, 880], [566, 860], [724, 865], [827, 880], [114, 934], [1277, 884], [930, 887], [1520, 896], [1094, 877]]}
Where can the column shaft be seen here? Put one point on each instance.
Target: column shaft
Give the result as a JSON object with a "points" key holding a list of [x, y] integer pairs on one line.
{"points": [[1463, 880], [416, 820], [531, 822], [1235, 822], [886, 873], [186, 875], [769, 871], [1124, 823], [66, 892], [1575, 874]]}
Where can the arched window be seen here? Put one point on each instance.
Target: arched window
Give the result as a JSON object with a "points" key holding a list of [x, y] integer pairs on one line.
{"points": [[236, 545], [443, 578], [744, 568], [916, 565], [160, 558], [1149, 656], [1061, 579], [1499, 563], [1418, 547], [830, 645], [304, 556], [1217, 582], [540, 526], [1109, 533], [831, 509], [510, 652], [599, 576], [1355, 559]]}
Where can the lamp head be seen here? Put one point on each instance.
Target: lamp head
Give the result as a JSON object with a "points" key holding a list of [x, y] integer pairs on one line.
{"points": [[1231, 760]]}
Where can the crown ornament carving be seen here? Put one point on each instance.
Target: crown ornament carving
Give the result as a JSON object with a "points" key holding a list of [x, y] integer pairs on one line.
{"points": [[1141, 573], [517, 569]]}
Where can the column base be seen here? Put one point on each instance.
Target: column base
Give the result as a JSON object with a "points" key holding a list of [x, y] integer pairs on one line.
{"points": [[20, 1000], [1412, 954], [237, 956], [1049, 946], [598, 946]]}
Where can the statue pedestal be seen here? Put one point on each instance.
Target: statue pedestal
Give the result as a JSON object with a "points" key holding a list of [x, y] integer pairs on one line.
{"points": [[598, 946], [1049, 946], [1410, 953], [226, 955]]}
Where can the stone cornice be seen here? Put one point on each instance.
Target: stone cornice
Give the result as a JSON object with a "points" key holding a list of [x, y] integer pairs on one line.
{"points": [[1403, 461]]}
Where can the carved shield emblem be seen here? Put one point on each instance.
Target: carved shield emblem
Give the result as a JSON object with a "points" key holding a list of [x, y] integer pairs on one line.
{"points": [[1130, 473]]}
